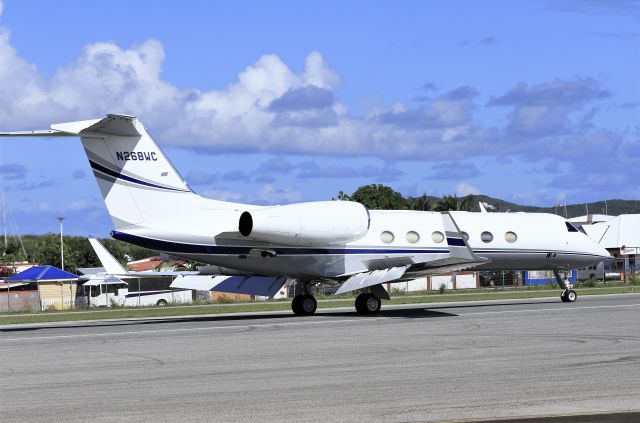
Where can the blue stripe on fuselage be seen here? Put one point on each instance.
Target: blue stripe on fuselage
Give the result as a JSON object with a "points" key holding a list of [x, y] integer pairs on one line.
{"points": [[117, 175]]}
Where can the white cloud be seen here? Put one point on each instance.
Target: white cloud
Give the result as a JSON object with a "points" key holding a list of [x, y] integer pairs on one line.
{"points": [[223, 195], [107, 78], [80, 205], [271, 108], [1, 7], [272, 195], [463, 189]]}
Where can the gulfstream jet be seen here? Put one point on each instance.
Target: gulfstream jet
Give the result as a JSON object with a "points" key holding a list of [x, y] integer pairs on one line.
{"points": [[254, 250]]}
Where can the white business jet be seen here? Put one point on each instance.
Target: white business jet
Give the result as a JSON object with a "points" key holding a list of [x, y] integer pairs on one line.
{"points": [[254, 249]]}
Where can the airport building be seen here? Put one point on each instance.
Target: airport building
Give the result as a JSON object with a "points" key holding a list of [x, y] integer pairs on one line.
{"points": [[620, 235], [45, 287]]}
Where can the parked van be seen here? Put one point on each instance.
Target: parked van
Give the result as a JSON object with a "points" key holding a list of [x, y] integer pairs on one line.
{"points": [[607, 269]]}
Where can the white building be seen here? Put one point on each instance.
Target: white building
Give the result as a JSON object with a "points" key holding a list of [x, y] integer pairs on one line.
{"points": [[621, 236]]}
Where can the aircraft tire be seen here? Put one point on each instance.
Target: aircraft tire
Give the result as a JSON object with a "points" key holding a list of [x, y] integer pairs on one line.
{"points": [[569, 296], [304, 305], [367, 304]]}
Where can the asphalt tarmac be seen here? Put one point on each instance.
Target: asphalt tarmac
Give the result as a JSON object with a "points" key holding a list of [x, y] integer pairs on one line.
{"points": [[435, 362]]}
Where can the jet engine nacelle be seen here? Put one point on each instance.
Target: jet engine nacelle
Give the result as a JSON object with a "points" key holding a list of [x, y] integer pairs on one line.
{"points": [[320, 223]]}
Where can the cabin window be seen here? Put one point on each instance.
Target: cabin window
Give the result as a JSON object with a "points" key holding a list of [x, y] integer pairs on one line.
{"points": [[413, 237], [437, 237], [486, 236], [465, 235], [387, 237], [571, 228], [510, 237]]}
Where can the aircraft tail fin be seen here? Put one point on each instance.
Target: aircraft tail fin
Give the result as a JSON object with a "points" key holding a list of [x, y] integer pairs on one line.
{"points": [[137, 181], [109, 262]]}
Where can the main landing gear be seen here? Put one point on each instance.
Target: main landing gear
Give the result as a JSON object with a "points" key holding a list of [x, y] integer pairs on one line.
{"points": [[367, 304], [304, 305], [370, 301], [568, 295]]}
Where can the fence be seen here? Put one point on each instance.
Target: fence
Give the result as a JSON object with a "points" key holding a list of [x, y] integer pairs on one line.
{"points": [[58, 304], [19, 301]]}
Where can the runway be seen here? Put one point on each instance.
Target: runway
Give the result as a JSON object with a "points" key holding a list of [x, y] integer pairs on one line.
{"points": [[433, 362]]}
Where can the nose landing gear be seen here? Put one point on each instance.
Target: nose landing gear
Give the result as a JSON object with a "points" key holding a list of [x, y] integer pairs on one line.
{"points": [[568, 295]]}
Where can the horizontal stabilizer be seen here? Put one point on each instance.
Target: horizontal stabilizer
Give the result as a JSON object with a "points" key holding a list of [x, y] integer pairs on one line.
{"points": [[266, 286], [37, 133], [118, 125], [365, 280]]}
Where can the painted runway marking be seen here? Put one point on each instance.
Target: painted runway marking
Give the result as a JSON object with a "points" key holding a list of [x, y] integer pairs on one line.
{"points": [[551, 309], [359, 320], [139, 332]]}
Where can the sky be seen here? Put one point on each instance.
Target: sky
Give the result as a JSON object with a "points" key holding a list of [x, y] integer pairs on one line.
{"points": [[535, 102]]}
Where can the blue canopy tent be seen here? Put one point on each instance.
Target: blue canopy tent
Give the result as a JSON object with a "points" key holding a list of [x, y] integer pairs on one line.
{"points": [[56, 287]]}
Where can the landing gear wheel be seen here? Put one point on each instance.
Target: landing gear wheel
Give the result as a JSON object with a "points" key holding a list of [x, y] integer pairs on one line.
{"points": [[367, 304], [569, 296], [304, 305]]}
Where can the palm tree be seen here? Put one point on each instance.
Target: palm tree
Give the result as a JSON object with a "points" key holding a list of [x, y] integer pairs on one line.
{"points": [[421, 203], [453, 203]]}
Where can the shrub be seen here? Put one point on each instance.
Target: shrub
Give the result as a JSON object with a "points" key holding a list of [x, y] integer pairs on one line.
{"points": [[442, 288], [397, 291], [223, 299], [29, 309]]}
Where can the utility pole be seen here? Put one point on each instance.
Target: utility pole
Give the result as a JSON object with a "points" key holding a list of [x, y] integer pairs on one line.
{"points": [[4, 223], [61, 219]]}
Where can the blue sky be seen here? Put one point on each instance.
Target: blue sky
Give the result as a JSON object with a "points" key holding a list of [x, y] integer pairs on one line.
{"points": [[276, 102]]}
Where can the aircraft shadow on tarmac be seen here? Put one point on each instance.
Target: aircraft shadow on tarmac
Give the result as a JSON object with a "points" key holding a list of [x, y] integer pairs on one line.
{"points": [[418, 312], [409, 313]]}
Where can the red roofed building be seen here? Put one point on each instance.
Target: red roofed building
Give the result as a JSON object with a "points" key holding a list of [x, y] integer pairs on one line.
{"points": [[154, 263]]}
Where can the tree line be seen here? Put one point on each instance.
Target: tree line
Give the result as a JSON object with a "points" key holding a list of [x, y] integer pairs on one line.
{"points": [[382, 197], [45, 249]]}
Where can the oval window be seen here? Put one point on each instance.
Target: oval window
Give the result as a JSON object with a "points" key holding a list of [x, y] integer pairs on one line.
{"points": [[486, 236], [510, 237], [465, 236], [437, 237], [386, 236], [413, 237]]}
